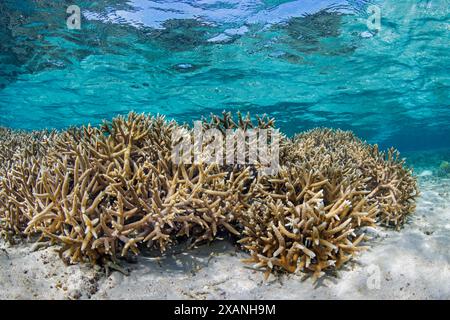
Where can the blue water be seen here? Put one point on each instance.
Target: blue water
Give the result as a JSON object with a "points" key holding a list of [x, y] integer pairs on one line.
{"points": [[307, 63]]}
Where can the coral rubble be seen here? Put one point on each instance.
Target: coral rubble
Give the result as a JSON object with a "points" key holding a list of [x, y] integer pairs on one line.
{"points": [[105, 192]]}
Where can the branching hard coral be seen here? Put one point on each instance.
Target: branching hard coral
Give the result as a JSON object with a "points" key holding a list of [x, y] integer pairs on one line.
{"points": [[331, 183], [391, 184], [305, 221], [104, 192], [20, 155]]}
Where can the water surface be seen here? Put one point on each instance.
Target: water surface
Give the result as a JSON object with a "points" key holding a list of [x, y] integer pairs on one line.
{"points": [[307, 63]]}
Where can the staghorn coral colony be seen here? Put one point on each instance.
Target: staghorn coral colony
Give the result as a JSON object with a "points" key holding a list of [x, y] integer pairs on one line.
{"points": [[105, 192]]}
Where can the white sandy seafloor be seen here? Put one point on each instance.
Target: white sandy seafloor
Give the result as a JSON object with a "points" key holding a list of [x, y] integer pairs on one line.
{"points": [[411, 264]]}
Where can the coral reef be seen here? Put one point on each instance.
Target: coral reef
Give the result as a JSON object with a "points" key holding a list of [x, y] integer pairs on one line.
{"points": [[104, 192], [20, 156], [331, 184]]}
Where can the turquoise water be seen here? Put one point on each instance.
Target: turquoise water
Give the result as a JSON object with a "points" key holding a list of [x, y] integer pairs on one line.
{"points": [[307, 63]]}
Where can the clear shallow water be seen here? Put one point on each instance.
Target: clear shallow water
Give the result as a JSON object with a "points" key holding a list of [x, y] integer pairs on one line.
{"points": [[307, 63]]}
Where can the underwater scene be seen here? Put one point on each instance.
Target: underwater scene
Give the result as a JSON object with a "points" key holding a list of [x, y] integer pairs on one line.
{"points": [[225, 149]]}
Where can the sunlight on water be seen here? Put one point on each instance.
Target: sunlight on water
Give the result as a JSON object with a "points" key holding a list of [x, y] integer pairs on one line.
{"points": [[306, 63]]}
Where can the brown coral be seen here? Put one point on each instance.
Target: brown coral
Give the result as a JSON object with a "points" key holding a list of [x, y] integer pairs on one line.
{"points": [[102, 192], [331, 183]]}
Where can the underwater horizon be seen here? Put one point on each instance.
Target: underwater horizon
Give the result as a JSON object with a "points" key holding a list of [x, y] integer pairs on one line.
{"points": [[305, 63]]}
